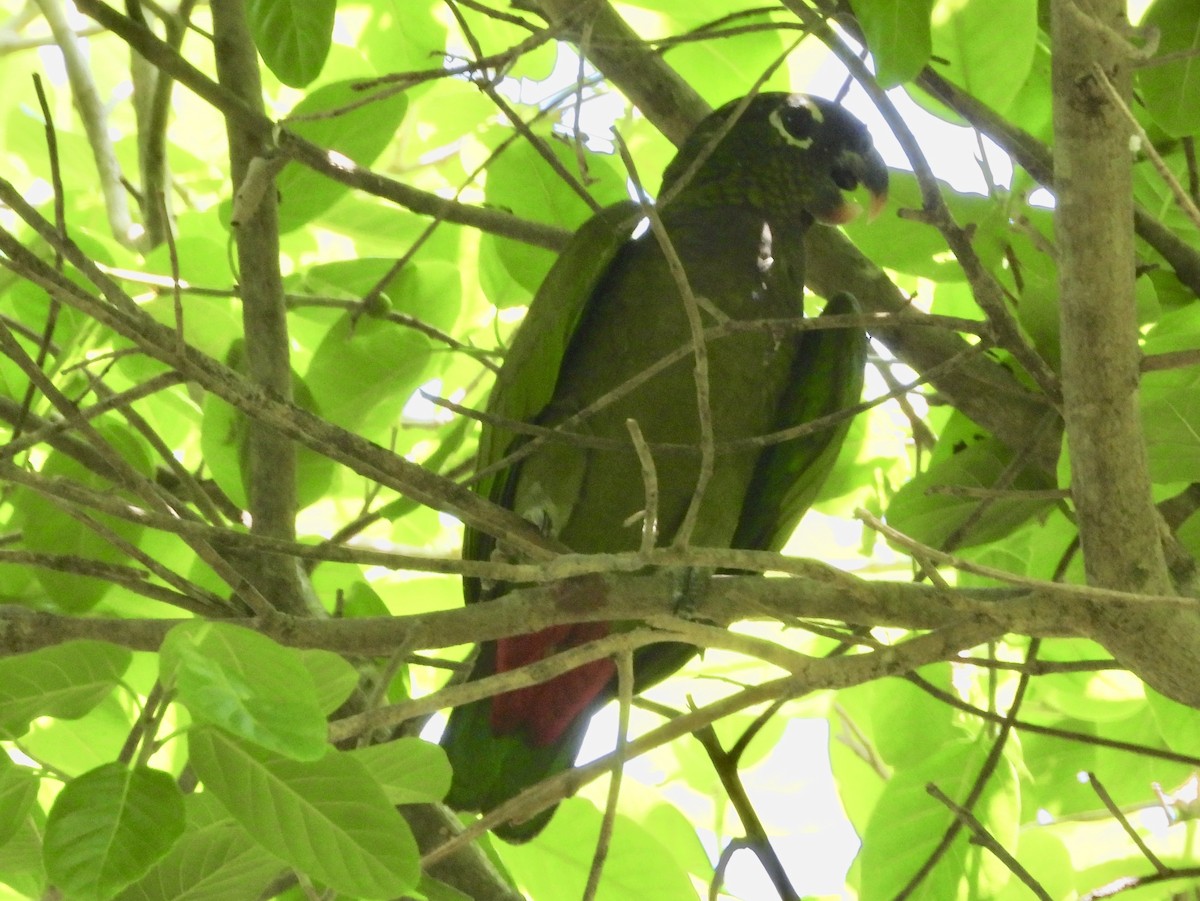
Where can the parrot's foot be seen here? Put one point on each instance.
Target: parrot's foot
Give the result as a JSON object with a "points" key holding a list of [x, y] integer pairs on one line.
{"points": [[690, 586]]}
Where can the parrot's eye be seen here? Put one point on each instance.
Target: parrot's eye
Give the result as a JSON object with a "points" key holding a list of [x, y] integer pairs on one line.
{"points": [[797, 120]]}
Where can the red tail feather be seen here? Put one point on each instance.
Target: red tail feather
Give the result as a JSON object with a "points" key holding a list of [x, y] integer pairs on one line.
{"points": [[547, 709]]}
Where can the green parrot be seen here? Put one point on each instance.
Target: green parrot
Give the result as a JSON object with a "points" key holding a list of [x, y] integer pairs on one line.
{"points": [[739, 195]]}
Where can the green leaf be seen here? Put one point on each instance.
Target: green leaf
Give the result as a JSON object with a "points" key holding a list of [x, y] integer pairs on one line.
{"points": [[433, 890], [245, 683], [712, 66], [1171, 91], [64, 681], [74, 746], [1046, 858], [555, 866], [327, 818], [1031, 107], [522, 182], [1126, 776], [292, 36], [22, 865], [1179, 725], [920, 512], [896, 243], [1037, 289], [908, 823], [898, 36], [393, 43], [988, 46], [1100, 697], [1170, 406], [18, 794], [212, 861], [365, 368], [361, 599], [1171, 424], [676, 832], [334, 678], [410, 770], [859, 781], [108, 826], [346, 121], [48, 529], [908, 724]]}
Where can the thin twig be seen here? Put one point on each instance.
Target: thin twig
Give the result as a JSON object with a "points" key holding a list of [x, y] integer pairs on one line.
{"points": [[94, 117], [699, 348], [995, 753], [535, 141], [725, 764], [1038, 729], [1015, 467], [1123, 821], [624, 662], [1182, 198], [649, 511], [985, 838]]}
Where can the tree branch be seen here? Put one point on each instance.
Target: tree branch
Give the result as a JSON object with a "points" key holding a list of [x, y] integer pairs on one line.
{"points": [[1049, 610], [1110, 483], [270, 470], [92, 113]]}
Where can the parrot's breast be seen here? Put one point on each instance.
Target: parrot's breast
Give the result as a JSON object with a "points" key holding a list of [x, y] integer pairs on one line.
{"points": [[636, 319]]}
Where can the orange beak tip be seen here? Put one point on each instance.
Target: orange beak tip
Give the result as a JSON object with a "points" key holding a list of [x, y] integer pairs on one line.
{"points": [[878, 203], [841, 215]]}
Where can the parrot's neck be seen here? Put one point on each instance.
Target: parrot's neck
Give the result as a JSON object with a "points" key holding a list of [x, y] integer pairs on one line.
{"points": [[720, 195], [735, 221], [742, 236]]}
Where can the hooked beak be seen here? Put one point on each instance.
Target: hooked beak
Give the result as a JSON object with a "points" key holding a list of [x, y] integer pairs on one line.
{"points": [[876, 180], [872, 173], [866, 169]]}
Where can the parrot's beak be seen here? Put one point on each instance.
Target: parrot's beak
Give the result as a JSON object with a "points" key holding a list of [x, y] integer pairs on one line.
{"points": [[847, 212], [852, 170], [874, 176], [878, 202]]}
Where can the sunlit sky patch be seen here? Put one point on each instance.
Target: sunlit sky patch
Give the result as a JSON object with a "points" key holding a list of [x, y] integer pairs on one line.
{"points": [[952, 151]]}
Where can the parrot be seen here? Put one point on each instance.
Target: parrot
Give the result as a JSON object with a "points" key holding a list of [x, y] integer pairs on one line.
{"points": [[735, 204]]}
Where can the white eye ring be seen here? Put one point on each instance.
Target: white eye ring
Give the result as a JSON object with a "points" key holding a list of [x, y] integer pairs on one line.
{"points": [[777, 121]]}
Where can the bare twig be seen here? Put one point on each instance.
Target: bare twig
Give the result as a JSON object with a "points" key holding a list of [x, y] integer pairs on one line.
{"points": [[1111, 806], [995, 753], [757, 840], [604, 841], [986, 839], [1144, 144], [92, 113], [649, 486], [234, 108]]}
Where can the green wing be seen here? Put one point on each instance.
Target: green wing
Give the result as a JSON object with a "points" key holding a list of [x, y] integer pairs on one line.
{"points": [[827, 377], [488, 768], [526, 381]]}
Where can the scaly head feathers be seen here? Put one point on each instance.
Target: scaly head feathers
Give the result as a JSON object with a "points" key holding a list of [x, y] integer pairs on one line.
{"points": [[789, 155]]}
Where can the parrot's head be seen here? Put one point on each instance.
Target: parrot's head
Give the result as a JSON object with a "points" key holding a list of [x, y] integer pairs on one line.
{"points": [[785, 154]]}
